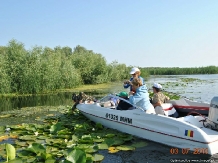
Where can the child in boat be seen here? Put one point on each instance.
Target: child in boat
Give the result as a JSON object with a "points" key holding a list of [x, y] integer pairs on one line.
{"points": [[135, 72], [140, 97], [123, 105]]}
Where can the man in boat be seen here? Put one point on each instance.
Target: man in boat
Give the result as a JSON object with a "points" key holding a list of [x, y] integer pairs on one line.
{"points": [[135, 72], [123, 105], [158, 99]]}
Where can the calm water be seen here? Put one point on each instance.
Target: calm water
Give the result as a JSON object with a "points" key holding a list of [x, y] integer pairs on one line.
{"points": [[201, 90]]}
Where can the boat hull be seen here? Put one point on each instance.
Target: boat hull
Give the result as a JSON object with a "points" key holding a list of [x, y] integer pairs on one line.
{"points": [[187, 106], [157, 128]]}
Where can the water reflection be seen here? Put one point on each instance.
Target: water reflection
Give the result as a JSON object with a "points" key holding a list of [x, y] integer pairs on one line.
{"points": [[9, 103]]}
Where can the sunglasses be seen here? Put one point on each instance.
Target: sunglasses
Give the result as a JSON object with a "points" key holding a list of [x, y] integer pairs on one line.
{"points": [[133, 74]]}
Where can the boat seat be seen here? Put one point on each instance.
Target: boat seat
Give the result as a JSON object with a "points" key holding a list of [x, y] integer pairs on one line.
{"points": [[159, 110]]}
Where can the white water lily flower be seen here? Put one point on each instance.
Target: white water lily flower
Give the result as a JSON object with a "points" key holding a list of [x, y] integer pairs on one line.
{"points": [[36, 133], [7, 129], [93, 129]]}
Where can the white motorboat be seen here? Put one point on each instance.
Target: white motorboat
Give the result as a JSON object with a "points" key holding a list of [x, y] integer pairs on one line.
{"points": [[195, 134], [184, 105]]}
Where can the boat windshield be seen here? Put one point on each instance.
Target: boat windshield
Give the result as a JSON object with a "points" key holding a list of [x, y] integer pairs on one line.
{"points": [[116, 102]]}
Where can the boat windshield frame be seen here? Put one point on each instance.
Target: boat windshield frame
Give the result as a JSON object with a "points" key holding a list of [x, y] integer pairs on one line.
{"points": [[120, 98]]}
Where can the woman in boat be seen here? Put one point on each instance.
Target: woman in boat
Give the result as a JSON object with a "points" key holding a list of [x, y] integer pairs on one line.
{"points": [[158, 97], [135, 72], [140, 96]]}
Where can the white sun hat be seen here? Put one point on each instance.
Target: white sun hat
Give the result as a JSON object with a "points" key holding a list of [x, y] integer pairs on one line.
{"points": [[156, 85], [133, 70]]}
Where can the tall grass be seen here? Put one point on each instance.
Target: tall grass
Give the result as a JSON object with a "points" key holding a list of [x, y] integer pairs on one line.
{"points": [[43, 69]]}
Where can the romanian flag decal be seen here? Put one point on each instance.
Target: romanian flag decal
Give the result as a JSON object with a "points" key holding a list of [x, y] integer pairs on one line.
{"points": [[189, 133]]}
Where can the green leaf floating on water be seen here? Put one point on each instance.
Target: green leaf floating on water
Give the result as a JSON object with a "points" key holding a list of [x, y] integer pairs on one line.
{"points": [[139, 144], [22, 144], [11, 152], [56, 127], [125, 148], [15, 161], [118, 141], [27, 137], [109, 135], [77, 155], [36, 148], [98, 157], [50, 160], [99, 126], [98, 140], [2, 129], [109, 142], [103, 146]]}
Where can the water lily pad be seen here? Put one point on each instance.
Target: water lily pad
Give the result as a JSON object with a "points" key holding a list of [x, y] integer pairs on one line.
{"points": [[20, 143], [2, 151], [85, 141], [15, 127], [99, 126], [2, 129], [84, 146], [109, 142], [42, 137], [36, 148], [98, 140], [109, 135], [98, 157], [103, 146], [118, 141], [15, 161], [27, 137], [139, 144], [50, 160], [128, 138], [89, 156], [91, 150], [125, 148], [77, 155], [56, 127]]}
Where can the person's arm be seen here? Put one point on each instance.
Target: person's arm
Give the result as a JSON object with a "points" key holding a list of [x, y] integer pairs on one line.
{"points": [[127, 83], [133, 99], [166, 99], [157, 104], [155, 100]]}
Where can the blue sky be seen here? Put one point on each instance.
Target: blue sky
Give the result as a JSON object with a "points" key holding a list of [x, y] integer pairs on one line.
{"points": [[145, 33]]}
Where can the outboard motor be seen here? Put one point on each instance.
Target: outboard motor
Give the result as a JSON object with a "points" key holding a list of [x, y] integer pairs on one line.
{"points": [[213, 113]]}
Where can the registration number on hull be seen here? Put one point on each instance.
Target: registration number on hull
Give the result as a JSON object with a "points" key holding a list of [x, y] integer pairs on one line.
{"points": [[118, 118]]}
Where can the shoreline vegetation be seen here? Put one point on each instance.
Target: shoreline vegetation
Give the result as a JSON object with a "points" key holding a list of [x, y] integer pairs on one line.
{"points": [[43, 70]]}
